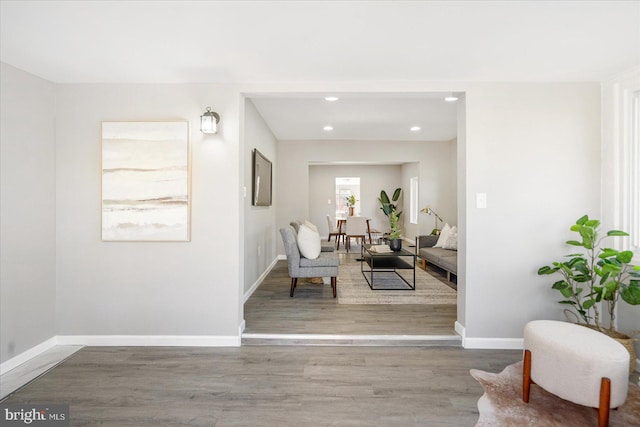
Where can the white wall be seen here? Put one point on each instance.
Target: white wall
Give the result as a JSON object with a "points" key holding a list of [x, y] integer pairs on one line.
{"points": [[523, 142], [373, 179], [112, 288], [27, 212], [534, 149], [260, 233], [294, 158]]}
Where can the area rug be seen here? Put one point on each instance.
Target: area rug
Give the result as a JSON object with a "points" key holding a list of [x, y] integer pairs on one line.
{"points": [[502, 405], [353, 288]]}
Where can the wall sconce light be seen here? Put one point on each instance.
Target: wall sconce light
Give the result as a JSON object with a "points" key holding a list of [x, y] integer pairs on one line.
{"points": [[428, 210], [209, 121]]}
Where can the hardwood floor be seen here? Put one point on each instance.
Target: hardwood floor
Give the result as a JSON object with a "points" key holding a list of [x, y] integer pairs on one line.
{"points": [[268, 386], [313, 310], [393, 385]]}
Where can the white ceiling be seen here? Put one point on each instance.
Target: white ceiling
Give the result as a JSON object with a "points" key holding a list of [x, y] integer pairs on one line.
{"points": [[312, 41], [379, 117]]}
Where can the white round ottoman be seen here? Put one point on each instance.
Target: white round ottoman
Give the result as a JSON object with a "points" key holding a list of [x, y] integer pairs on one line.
{"points": [[577, 364]]}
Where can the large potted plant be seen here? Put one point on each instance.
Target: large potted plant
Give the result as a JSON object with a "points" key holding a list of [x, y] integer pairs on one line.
{"points": [[395, 236], [596, 279], [386, 204], [390, 209]]}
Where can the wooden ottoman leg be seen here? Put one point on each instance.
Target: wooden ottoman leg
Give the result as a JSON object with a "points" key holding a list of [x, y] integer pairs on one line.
{"points": [[605, 401], [526, 376], [294, 282], [334, 285], [424, 264]]}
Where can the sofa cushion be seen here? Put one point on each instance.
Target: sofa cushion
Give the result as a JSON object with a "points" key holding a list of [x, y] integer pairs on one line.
{"points": [[308, 242], [443, 258], [444, 235], [427, 241], [452, 240]]}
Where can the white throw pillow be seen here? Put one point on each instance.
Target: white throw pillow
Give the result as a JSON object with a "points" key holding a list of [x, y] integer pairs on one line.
{"points": [[444, 233], [311, 226], [452, 240], [309, 242]]}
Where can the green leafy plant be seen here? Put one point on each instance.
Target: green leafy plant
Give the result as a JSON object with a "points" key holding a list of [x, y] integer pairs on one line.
{"points": [[598, 275], [350, 201], [385, 204], [395, 225]]}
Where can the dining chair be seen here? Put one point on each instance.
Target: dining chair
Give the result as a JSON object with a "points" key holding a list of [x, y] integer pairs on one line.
{"points": [[333, 230], [356, 228]]}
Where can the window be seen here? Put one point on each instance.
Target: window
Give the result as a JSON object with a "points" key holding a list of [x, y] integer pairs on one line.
{"points": [[413, 201], [347, 187], [620, 196], [634, 171]]}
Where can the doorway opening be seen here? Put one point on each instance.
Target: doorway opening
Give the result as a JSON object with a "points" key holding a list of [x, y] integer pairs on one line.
{"points": [[347, 197]]}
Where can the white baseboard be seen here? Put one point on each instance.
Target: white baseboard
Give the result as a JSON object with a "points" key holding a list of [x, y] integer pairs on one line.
{"points": [[282, 257], [493, 343], [255, 285], [459, 330], [151, 340], [28, 355]]}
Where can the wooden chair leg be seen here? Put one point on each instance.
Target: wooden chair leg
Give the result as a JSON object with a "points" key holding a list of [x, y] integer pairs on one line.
{"points": [[605, 401], [294, 283], [526, 376], [334, 285]]}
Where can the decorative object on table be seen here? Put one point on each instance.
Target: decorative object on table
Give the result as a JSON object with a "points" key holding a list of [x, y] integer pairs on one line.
{"points": [[145, 181], [381, 249], [385, 204], [598, 275], [209, 121], [430, 211], [350, 202], [395, 236], [502, 405], [262, 188]]}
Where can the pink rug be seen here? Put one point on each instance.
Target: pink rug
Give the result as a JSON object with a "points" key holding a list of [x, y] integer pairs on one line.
{"points": [[502, 405]]}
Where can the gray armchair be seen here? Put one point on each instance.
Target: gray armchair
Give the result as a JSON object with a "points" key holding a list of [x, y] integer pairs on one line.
{"points": [[326, 265]]}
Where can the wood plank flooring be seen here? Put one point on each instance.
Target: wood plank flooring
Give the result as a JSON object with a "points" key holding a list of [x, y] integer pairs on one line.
{"points": [[268, 386], [313, 310]]}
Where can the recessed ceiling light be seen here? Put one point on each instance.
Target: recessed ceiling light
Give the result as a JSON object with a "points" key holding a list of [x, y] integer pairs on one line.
{"points": [[331, 98], [451, 98], [328, 128], [415, 128]]}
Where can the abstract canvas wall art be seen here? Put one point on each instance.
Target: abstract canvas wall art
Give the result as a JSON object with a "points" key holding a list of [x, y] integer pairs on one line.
{"points": [[145, 181]]}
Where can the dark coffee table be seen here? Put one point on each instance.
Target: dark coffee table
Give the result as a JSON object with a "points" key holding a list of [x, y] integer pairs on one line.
{"points": [[386, 264]]}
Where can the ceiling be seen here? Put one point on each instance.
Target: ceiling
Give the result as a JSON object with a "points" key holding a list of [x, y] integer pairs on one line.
{"points": [[369, 117], [320, 41]]}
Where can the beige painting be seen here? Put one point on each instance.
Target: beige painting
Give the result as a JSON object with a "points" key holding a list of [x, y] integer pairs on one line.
{"points": [[145, 181]]}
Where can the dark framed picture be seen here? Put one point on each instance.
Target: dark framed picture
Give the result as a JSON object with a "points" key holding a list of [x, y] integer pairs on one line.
{"points": [[262, 189]]}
